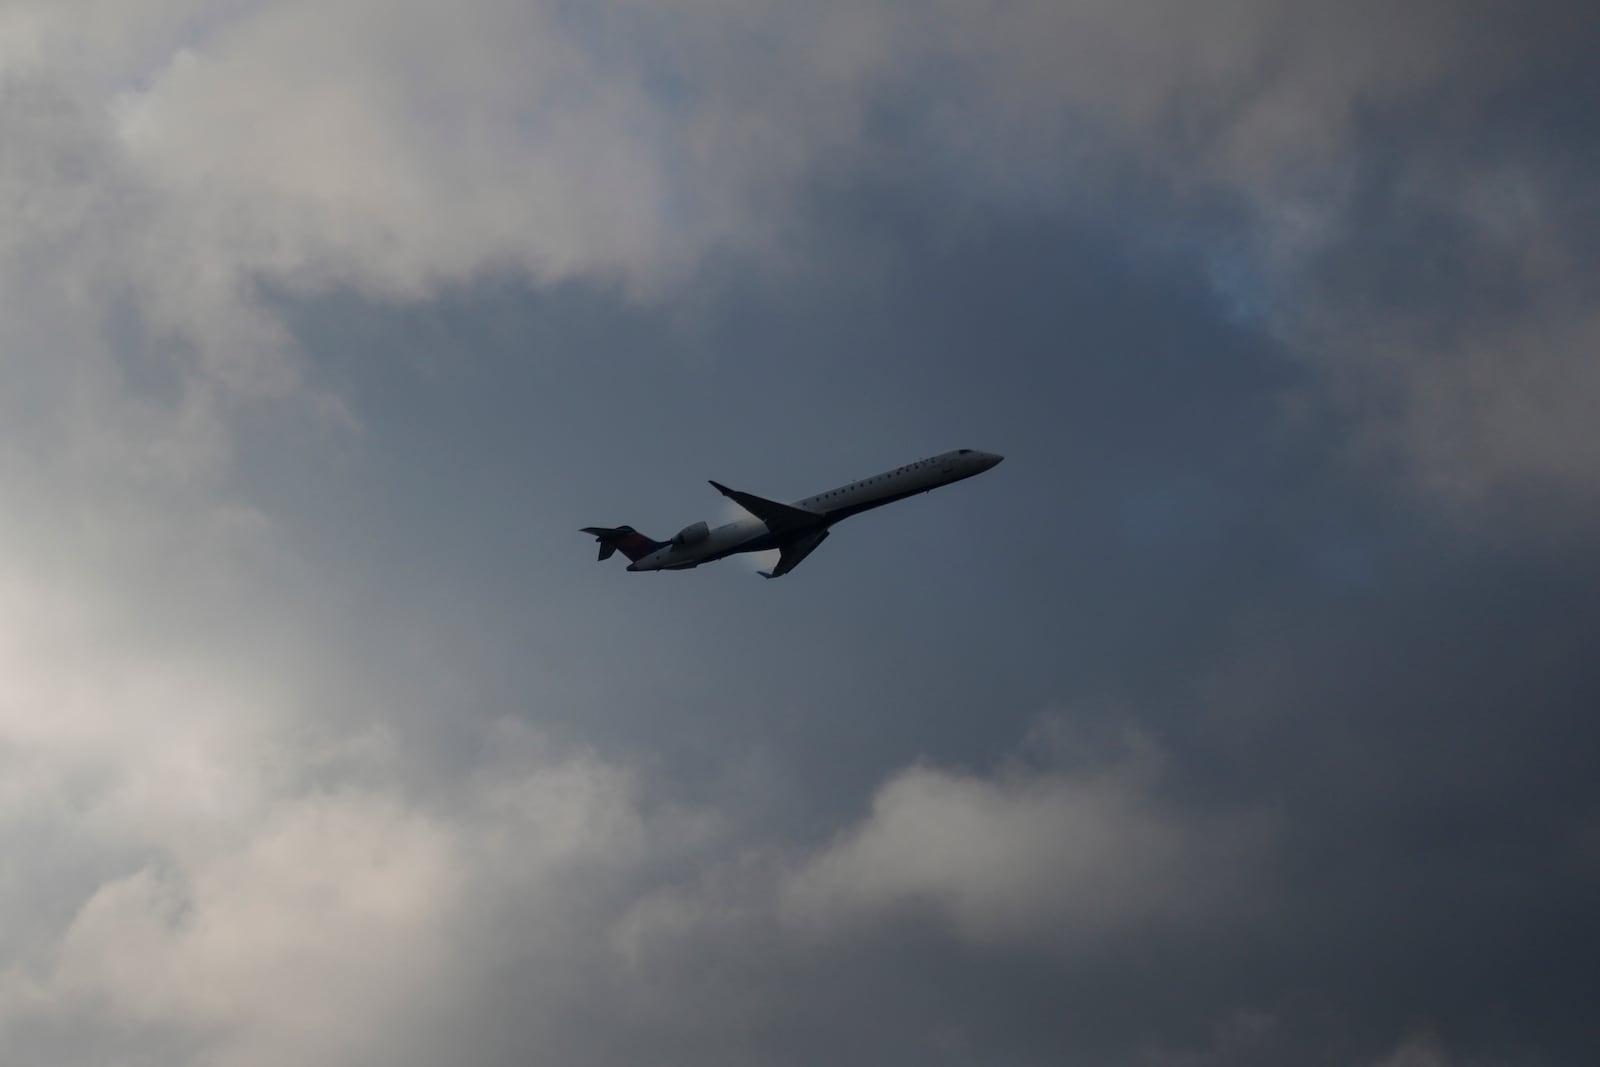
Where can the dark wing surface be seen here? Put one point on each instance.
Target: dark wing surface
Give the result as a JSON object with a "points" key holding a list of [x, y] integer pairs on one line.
{"points": [[777, 516], [794, 552]]}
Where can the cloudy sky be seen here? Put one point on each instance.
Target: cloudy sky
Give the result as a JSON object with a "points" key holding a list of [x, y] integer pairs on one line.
{"points": [[1244, 716]]}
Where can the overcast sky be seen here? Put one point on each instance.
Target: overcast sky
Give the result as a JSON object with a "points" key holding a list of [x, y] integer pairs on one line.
{"points": [[1245, 716]]}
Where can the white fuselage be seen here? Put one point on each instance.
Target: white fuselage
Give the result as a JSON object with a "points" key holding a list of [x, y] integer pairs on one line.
{"points": [[751, 534]]}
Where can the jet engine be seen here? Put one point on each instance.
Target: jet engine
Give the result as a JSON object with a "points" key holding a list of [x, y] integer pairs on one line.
{"points": [[692, 534]]}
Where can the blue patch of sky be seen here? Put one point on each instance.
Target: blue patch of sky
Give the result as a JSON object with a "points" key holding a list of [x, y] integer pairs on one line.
{"points": [[1244, 290]]}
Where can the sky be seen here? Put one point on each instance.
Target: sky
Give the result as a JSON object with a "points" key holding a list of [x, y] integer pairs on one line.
{"points": [[1244, 716]]}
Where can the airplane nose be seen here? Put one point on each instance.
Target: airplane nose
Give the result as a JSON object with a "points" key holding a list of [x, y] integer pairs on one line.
{"points": [[993, 458]]}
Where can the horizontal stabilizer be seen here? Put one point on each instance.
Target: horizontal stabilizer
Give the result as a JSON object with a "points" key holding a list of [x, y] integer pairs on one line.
{"points": [[777, 516], [633, 544]]}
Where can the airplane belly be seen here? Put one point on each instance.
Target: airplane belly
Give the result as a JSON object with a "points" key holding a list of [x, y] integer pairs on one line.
{"points": [[734, 537]]}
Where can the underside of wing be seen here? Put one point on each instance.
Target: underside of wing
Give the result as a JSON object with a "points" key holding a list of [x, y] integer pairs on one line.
{"points": [[777, 516], [794, 552]]}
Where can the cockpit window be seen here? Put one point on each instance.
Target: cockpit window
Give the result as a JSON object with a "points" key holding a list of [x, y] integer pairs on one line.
{"points": [[963, 451]]}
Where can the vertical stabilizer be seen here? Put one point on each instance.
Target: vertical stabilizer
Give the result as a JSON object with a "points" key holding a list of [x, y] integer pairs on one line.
{"points": [[631, 542]]}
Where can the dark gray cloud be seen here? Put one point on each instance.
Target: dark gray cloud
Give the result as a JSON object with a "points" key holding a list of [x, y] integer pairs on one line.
{"points": [[1452, 305], [1244, 716]]}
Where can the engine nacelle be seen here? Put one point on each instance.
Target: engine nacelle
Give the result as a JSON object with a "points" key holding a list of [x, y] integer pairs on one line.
{"points": [[691, 534]]}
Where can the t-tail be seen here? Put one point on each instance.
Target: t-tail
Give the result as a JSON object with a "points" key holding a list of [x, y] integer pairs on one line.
{"points": [[633, 544]]}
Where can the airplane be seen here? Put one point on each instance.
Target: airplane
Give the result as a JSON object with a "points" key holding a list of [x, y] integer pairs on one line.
{"points": [[794, 529]]}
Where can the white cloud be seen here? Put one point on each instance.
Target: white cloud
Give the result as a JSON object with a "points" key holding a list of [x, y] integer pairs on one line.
{"points": [[1082, 851], [262, 892], [394, 146], [1052, 858], [234, 850]]}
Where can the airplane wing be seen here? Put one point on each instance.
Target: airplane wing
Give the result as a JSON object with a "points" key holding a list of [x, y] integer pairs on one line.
{"points": [[794, 552], [777, 516]]}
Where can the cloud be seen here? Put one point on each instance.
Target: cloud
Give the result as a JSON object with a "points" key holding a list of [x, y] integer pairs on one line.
{"points": [[1417, 1050], [182, 155], [245, 844], [1029, 857], [393, 148], [1470, 358], [265, 917], [1076, 854], [1249, 1039]]}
